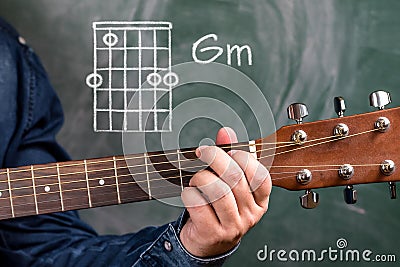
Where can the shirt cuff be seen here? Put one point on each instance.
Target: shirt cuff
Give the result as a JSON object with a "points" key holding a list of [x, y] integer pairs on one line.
{"points": [[167, 249]]}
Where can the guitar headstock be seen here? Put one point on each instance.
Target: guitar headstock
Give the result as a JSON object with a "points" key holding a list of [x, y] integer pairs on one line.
{"points": [[343, 151]]}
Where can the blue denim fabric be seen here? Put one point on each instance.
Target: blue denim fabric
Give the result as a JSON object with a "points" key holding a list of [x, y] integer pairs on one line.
{"points": [[30, 117]]}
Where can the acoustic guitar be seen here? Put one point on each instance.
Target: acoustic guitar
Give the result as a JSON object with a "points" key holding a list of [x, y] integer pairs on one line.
{"points": [[343, 151]]}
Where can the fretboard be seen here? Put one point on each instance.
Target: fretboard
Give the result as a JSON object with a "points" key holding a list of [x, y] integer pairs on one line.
{"points": [[80, 184]]}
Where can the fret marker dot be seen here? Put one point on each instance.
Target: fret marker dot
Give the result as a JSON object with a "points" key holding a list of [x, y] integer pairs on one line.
{"points": [[47, 188], [101, 182], [1, 194]]}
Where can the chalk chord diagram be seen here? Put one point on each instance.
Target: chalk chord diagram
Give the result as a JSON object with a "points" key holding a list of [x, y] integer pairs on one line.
{"points": [[132, 79]]}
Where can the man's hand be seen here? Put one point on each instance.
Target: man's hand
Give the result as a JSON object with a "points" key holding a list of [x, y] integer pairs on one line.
{"points": [[225, 205]]}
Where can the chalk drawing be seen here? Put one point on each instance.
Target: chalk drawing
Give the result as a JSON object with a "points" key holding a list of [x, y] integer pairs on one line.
{"points": [[127, 60]]}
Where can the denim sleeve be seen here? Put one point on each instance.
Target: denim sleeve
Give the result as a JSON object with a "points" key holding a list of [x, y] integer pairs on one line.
{"points": [[30, 117]]}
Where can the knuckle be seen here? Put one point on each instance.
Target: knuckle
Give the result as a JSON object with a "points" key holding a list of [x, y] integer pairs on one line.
{"points": [[240, 152], [237, 231], [235, 234], [198, 177], [219, 189], [217, 237], [233, 175], [202, 173], [261, 180], [252, 221], [252, 218], [264, 209], [231, 234], [264, 206], [244, 157]]}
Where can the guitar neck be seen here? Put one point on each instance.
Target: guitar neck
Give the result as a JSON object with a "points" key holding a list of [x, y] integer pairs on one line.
{"points": [[80, 184]]}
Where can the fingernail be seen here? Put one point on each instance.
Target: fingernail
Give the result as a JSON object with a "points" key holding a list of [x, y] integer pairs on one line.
{"points": [[232, 152], [199, 149]]}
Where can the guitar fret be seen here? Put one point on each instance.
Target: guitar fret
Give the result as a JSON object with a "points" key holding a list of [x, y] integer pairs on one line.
{"points": [[132, 179], [46, 188], [179, 167], [73, 185], [34, 190], [147, 174], [116, 180], [9, 192], [165, 175], [59, 186], [87, 184], [102, 182]]}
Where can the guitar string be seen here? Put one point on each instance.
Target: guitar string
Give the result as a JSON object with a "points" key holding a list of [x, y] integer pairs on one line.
{"points": [[173, 177], [303, 147], [97, 178], [111, 193], [82, 188], [70, 207], [177, 161], [80, 164], [189, 167], [125, 158], [145, 182], [107, 202], [288, 143], [260, 157], [160, 179], [133, 183], [122, 191]]}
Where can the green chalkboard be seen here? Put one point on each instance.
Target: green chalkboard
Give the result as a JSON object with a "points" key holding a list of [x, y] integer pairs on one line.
{"points": [[303, 51]]}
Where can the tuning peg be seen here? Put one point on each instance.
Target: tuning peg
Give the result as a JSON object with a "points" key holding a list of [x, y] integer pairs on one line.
{"points": [[392, 189], [340, 106], [350, 195], [297, 111], [309, 200], [379, 99]]}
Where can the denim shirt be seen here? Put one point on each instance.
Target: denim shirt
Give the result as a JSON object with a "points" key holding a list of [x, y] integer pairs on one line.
{"points": [[30, 117]]}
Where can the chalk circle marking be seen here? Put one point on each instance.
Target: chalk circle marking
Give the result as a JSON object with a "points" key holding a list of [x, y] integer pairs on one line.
{"points": [[94, 80], [171, 79], [110, 39], [154, 79]]}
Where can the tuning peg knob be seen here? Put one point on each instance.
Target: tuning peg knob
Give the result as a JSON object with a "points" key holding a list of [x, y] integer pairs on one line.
{"points": [[309, 200], [350, 195], [297, 111], [379, 99], [388, 167], [340, 106], [392, 189]]}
